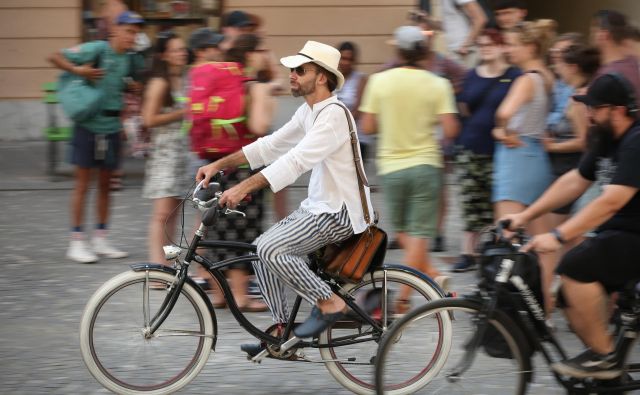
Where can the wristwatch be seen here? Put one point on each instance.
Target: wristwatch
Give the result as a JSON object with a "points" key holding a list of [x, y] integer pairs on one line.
{"points": [[558, 236]]}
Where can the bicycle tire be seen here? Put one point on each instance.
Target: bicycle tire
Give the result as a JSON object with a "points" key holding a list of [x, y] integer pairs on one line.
{"points": [[451, 311], [344, 372], [103, 314]]}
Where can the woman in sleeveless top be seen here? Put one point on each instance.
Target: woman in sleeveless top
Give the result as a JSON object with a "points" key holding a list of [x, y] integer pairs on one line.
{"points": [[166, 177], [565, 143], [522, 170]]}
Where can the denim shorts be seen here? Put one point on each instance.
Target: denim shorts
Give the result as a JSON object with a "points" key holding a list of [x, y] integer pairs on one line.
{"points": [[90, 150], [521, 174]]}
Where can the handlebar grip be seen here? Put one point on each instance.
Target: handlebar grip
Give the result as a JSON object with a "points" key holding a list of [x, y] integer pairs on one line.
{"points": [[206, 194], [210, 216], [504, 224]]}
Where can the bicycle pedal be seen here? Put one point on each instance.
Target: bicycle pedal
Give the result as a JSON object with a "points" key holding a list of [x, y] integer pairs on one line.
{"points": [[262, 355], [289, 344]]}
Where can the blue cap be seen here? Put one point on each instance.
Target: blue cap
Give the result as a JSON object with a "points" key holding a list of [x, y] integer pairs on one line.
{"points": [[129, 18]]}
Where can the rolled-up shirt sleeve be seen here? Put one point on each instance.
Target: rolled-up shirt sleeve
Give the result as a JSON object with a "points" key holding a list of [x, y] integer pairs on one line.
{"points": [[268, 149], [328, 133]]}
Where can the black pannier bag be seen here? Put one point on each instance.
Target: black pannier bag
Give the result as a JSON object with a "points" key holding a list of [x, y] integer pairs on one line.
{"points": [[526, 273]]}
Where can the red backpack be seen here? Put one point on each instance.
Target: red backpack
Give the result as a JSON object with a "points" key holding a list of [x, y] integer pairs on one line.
{"points": [[217, 110]]}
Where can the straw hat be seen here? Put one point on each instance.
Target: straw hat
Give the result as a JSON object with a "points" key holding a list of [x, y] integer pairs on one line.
{"points": [[321, 54]]}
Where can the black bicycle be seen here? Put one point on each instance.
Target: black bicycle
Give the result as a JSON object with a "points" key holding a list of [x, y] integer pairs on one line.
{"points": [[151, 329], [491, 335]]}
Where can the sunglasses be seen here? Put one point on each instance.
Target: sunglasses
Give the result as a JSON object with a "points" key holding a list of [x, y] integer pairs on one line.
{"points": [[300, 71]]}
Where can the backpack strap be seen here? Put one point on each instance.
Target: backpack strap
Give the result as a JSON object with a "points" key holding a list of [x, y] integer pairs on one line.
{"points": [[362, 178]]}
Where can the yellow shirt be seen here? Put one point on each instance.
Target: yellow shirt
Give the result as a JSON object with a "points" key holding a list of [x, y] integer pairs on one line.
{"points": [[407, 103]]}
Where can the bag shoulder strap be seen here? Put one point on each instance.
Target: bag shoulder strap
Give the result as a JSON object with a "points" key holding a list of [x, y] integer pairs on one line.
{"points": [[362, 178]]}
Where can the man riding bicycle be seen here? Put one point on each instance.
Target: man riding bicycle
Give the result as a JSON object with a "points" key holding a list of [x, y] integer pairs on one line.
{"points": [[606, 262], [316, 139]]}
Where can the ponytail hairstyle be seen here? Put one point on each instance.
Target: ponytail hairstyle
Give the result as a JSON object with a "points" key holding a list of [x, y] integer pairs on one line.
{"points": [[540, 33]]}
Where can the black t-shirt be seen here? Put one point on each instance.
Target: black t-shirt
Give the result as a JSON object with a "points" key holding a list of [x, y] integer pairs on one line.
{"points": [[620, 167]]}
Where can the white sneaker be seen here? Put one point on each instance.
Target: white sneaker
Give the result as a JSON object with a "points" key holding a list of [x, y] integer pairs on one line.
{"points": [[102, 247], [80, 251]]}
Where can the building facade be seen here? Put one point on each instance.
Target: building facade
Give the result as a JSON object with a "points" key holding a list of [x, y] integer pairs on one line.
{"points": [[32, 29]]}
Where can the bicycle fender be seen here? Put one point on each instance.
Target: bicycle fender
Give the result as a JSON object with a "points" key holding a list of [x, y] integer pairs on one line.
{"points": [[140, 267], [416, 273]]}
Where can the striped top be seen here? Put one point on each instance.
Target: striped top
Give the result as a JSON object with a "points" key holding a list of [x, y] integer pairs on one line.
{"points": [[531, 118]]}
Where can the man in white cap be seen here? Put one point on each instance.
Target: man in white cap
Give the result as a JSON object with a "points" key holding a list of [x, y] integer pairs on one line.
{"points": [[317, 139], [402, 105]]}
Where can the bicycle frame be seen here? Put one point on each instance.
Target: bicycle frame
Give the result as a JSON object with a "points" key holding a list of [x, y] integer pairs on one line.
{"points": [[533, 327], [215, 269]]}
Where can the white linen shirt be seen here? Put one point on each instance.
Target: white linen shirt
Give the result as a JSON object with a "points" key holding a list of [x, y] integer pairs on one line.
{"points": [[324, 147]]}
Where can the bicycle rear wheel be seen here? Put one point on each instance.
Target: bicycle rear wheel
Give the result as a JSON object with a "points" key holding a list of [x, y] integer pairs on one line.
{"points": [[352, 365], [113, 342], [464, 370]]}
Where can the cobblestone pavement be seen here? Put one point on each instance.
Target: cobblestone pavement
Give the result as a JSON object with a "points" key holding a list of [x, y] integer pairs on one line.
{"points": [[42, 294]]}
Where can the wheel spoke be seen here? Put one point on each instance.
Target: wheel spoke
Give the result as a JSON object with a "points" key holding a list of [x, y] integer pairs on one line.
{"points": [[117, 349], [350, 364]]}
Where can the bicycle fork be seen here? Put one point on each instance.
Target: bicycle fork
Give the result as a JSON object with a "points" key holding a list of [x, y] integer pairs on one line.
{"points": [[482, 322], [152, 325]]}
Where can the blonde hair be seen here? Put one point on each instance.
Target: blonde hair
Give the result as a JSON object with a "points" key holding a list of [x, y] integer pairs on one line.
{"points": [[540, 32]]}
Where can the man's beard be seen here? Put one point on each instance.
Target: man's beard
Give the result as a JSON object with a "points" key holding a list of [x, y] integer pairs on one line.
{"points": [[302, 90], [600, 138]]}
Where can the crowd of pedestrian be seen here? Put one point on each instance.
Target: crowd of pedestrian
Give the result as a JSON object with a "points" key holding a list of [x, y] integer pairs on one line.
{"points": [[497, 107]]}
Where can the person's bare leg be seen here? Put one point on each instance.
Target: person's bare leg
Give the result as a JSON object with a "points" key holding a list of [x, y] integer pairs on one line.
{"points": [[469, 242], [587, 313], [79, 195], [416, 255], [161, 214], [442, 207], [239, 280], [332, 305], [104, 195], [505, 207], [548, 261]]}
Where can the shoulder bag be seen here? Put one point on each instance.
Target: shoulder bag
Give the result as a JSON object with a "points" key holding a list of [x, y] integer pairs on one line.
{"points": [[350, 259], [79, 97]]}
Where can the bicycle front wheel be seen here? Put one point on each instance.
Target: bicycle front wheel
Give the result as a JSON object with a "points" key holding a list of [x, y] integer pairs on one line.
{"points": [[117, 348], [496, 365], [351, 363]]}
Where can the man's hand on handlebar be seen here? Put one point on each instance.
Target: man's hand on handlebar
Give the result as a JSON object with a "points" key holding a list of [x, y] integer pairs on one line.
{"points": [[206, 173], [515, 221], [542, 243], [233, 196]]}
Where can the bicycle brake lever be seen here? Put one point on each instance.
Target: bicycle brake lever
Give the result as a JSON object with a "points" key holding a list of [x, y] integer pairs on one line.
{"points": [[228, 211]]}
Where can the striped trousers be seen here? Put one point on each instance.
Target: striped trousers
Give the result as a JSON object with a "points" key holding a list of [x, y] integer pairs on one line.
{"points": [[283, 251]]}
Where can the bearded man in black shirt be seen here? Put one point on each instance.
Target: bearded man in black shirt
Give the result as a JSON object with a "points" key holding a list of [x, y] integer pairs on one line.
{"points": [[609, 260]]}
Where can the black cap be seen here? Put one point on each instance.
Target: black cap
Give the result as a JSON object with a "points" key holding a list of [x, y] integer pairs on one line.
{"points": [[238, 19], [609, 89], [204, 38]]}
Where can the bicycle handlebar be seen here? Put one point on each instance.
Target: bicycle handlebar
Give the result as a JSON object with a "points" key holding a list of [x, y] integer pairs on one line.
{"points": [[503, 226]]}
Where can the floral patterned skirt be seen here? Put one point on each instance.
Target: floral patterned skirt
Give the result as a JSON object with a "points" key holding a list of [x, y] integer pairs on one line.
{"points": [[166, 168]]}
